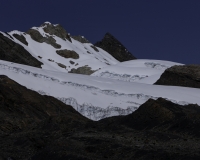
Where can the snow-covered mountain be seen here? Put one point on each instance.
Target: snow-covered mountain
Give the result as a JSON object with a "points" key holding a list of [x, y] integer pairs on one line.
{"points": [[113, 87], [51, 45]]}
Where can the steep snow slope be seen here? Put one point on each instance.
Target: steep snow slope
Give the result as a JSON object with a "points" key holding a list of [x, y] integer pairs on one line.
{"points": [[95, 97], [46, 45], [140, 70]]}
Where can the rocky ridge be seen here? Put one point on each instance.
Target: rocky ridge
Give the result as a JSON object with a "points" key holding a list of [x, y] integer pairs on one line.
{"points": [[57, 30], [110, 44], [13, 52]]}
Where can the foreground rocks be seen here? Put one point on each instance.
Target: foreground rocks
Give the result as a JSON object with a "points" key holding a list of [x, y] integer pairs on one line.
{"points": [[110, 44], [37, 127], [13, 52], [186, 76]]}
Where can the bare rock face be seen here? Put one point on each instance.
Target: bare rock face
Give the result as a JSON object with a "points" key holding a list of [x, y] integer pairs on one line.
{"points": [[82, 70], [186, 76], [35, 35], [67, 54], [80, 39], [57, 30], [21, 38], [110, 44], [13, 52]]}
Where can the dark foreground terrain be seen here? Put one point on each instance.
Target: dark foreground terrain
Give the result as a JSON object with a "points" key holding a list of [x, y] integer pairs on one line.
{"points": [[41, 127]]}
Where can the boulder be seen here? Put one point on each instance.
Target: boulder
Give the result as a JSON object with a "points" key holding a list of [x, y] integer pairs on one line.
{"points": [[185, 76]]}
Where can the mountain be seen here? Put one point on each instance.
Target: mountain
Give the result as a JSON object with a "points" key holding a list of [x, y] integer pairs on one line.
{"points": [[110, 44], [62, 97], [124, 86], [184, 75], [33, 126], [54, 49]]}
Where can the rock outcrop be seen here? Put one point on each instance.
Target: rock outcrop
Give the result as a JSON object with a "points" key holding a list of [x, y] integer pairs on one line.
{"points": [[35, 35], [51, 30], [82, 70], [21, 38], [13, 52], [57, 30], [67, 54], [185, 75], [110, 44], [61, 65]]}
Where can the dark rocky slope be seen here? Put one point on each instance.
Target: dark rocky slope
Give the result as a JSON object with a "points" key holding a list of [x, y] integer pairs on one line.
{"points": [[40, 127], [110, 44], [13, 52], [186, 76], [30, 122]]}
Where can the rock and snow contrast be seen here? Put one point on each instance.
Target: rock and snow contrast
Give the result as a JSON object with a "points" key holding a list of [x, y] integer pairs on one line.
{"points": [[95, 97], [108, 88], [56, 50]]}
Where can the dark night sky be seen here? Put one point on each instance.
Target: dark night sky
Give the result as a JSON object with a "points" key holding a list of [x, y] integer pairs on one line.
{"points": [[153, 29]]}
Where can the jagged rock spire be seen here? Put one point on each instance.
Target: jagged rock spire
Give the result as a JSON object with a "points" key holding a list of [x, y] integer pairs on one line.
{"points": [[110, 44]]}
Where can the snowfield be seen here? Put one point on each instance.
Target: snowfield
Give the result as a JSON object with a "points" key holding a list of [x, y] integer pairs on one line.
{"points": [[142, 70], [96, 97]]}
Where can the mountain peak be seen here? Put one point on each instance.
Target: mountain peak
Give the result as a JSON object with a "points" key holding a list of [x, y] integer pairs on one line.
{"points": [[51, 29], [109, 35], [57, 30], [113, 46], [46, 23]]}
